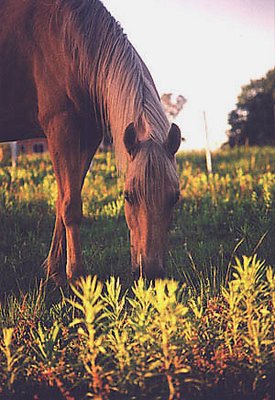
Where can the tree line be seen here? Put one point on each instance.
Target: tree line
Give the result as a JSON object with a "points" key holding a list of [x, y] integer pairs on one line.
{"points": [[253, 120]]}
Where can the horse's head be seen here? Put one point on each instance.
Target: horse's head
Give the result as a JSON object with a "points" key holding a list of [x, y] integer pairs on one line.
{"points": [[151, 192]]}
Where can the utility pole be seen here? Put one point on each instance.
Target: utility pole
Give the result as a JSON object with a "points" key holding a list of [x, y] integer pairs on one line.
{"points": [[207, 149]]}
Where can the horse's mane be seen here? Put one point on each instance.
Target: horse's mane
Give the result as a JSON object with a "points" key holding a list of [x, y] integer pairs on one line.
{"points": [[119, 83]]}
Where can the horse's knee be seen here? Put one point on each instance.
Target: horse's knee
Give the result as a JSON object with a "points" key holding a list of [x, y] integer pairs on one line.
{"points": [[72, 211]]}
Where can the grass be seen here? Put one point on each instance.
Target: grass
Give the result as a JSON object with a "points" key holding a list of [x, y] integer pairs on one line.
{"points": [[205, 333]]}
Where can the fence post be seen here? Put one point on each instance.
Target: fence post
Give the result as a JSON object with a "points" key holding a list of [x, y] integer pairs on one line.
{"points": [[14, 153], [207, 149]]}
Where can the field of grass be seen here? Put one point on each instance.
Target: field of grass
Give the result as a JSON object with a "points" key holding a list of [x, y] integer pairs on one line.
{"points": [[206, 333]]}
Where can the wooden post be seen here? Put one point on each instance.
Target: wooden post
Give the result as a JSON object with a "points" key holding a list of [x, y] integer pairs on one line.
{"points": [[14, 153], [207, 149]]}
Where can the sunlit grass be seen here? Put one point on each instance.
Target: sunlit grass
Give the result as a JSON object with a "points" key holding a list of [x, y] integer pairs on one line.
{"points": [[206, 332]]}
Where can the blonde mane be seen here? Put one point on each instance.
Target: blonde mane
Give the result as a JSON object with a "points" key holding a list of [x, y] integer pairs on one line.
{"points": [[119, 83]]}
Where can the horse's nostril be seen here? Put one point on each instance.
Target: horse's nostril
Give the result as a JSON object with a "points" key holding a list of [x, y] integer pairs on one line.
{"points": [[148, 269], [154, 271]]}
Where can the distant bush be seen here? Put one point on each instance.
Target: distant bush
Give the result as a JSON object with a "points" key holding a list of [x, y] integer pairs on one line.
{"points": [[5, 153]]}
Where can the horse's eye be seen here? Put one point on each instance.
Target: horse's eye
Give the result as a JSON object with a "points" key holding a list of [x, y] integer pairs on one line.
{"points": [[127, 197], [175, 199]]}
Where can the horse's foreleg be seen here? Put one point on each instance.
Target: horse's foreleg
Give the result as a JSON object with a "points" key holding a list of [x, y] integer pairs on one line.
{"points": [[64, 146], [56, 261], [71, 157], [73, 269]]}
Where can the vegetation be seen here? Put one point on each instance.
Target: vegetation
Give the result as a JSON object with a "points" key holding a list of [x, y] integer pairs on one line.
{"points": [[172, 109], [206, 332], [253, 120]]}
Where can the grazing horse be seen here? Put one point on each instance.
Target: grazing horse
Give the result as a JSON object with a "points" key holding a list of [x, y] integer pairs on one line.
{"points": [[69, 73]]}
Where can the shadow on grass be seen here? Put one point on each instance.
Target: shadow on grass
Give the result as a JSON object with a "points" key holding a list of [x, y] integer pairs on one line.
{"points": [[26, 233], [26, 236]]}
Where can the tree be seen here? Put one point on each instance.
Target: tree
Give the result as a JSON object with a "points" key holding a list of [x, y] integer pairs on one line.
{"points": [[253, 120], [172, 109]]}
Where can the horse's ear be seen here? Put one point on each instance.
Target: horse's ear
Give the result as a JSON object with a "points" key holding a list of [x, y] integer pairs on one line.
{"points": [[174, 139], [130, 139]]}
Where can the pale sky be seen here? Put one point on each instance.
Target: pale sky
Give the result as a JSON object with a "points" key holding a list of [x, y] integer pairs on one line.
{"points": [[204, 50]]}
